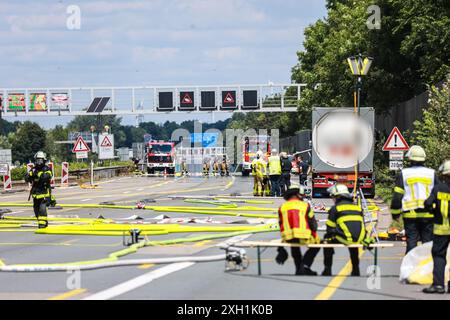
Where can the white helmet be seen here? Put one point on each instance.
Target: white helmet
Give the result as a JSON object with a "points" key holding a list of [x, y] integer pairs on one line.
{"points": [[274, 152], [445, 168], [339, 190], [259, 154], [40, 155], [416, 154]]}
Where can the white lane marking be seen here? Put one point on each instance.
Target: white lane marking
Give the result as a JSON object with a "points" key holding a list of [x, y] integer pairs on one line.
{"points": [[140, 189], [84, 200], [138, 281], [126, 192]]}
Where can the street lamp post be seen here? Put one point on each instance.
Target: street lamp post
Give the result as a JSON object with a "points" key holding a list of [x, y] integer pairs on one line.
{"points": [[359, 67]]}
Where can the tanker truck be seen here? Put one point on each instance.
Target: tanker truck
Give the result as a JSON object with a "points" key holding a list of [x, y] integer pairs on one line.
{"points": [[339, 138]]}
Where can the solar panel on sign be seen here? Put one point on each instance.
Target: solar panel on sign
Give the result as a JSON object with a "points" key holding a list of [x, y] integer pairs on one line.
{"points": [[101, 106], [93, 105]]}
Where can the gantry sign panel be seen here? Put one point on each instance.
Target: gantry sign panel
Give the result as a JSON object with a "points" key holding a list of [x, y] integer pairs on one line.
{"points": [[149, 100]]}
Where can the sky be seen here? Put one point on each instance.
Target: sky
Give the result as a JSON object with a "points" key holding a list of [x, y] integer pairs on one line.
{"points": [[151, 42]]}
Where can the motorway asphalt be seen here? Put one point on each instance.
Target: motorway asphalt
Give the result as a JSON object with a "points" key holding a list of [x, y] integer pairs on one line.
{"points": [[183, 281]]}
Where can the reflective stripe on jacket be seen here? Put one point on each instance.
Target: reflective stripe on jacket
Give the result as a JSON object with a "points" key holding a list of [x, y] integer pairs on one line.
{"points": [[293, 219], [437, 203], [346, 222], [274, 165]]}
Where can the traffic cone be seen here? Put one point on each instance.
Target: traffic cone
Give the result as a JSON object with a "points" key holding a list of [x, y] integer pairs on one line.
{"points": [[165, 173]]}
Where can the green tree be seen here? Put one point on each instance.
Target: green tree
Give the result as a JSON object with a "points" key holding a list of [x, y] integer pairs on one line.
{"points": [[433, 131], [29, 139]]}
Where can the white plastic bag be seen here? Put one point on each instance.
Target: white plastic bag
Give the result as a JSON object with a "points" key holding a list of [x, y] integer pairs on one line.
{"points": [[417, 265]]}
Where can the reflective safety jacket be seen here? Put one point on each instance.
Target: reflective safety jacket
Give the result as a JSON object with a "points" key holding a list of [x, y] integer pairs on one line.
{"points": [[297, 221], [412, 187], [40, 180], [346, 223], [259, 168], [437, 203], [274, 166]]}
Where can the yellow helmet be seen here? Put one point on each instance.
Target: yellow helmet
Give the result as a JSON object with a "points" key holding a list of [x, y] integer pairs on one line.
{"points": [[445, 168], [339, 190], [416, 153]]}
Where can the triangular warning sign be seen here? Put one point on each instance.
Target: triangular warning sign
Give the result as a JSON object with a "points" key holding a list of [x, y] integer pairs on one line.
{"points": [[229, 98], [106, 142], [396, 142], [80, 146], [187, 99]]}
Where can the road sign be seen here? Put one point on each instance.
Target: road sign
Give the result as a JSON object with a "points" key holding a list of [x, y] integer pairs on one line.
{"points": [[396, 142], [80, 146], [396, 155], [4, 169], [82, 155], [395, 165], [106, 146]]}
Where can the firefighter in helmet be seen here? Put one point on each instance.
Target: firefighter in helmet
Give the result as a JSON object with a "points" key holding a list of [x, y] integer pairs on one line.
{"points": [[40, 178], [412, 187], [258, 172], [345, 225], [298, 226], [437, 203]]}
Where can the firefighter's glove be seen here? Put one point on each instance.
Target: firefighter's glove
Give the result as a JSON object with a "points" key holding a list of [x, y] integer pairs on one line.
{"points": [[51, 201], [367, 242], [282, 256], [328, 237]]}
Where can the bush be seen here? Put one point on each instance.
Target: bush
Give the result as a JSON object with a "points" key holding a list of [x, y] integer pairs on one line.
{"points": [[19, 173]]}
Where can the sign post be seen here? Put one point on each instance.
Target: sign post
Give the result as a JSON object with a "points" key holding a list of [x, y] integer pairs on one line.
{"points": [[81, 148], [396, 145], [106, 146]]}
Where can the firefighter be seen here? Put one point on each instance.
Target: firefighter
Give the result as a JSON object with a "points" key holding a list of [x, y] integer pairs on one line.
{"points": [[224, 167], [40, 177], [412, 187], [437, 203], [345, 225], [258, 172], [274, 167], [184, 169], [215, 167], [286, 167], [206, 165], [298, 226]]}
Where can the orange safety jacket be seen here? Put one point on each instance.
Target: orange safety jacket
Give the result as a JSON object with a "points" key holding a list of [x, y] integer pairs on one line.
{"points": [[294, 216]]}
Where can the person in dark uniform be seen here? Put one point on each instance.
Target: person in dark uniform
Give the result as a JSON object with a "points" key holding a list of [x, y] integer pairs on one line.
{"points": [[286, 167], [412, 187], [40, 177], [303, 168], [345, 225], [438, 203]]}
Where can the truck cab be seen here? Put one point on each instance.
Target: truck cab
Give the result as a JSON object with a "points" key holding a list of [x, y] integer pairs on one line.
{"points": [[160, 157]]}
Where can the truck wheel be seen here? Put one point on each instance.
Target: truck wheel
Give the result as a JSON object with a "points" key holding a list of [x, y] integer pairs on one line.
{"points": [[245, 173], [150, 171]]}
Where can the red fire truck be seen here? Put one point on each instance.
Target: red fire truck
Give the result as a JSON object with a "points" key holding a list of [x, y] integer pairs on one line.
{"points": [[160, 157], [250, 146]]}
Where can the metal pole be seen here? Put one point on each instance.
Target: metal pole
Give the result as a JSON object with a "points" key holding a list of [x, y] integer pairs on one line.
{"points": [[258, 250], [92, 173], [359, 84]]}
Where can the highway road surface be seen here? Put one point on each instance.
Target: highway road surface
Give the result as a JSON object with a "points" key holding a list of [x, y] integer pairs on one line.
{"points": [[178, 280]]}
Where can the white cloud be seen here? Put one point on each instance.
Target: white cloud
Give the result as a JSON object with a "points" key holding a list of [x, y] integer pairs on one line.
{"points": [[148, 55], [225, 53]]}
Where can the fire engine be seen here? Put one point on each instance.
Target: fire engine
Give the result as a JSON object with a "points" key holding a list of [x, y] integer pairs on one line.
{"points": [[250, 146], [160, 157]]}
